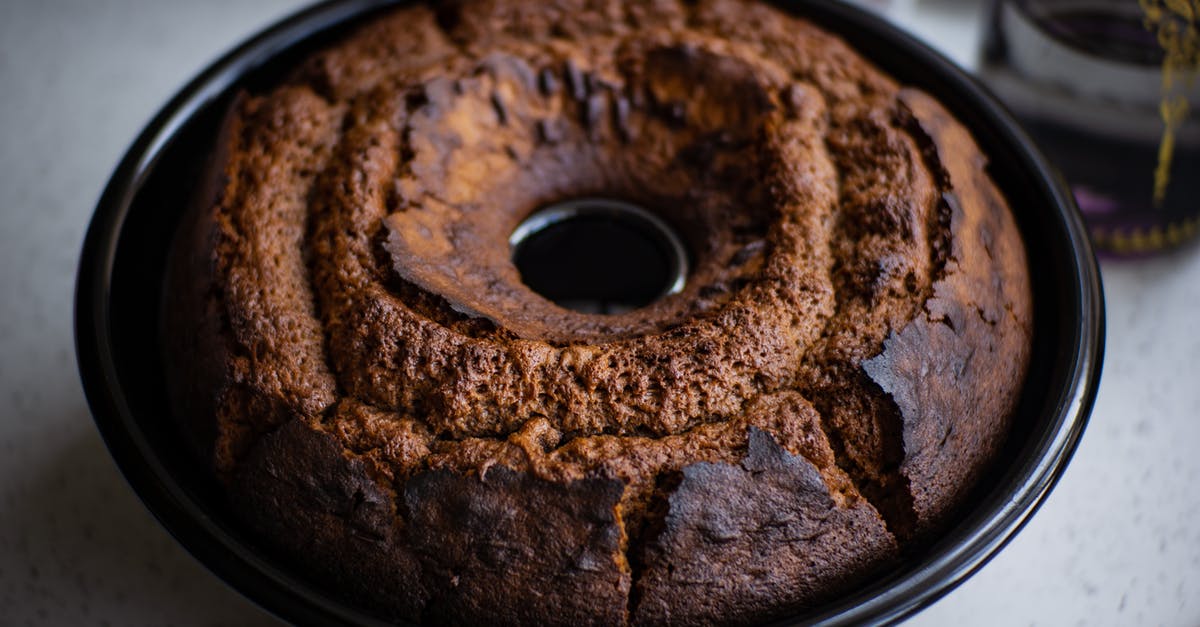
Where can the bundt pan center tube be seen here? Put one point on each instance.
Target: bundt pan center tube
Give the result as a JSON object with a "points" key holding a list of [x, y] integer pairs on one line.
{"points": [[599, 255], [404, 376]]}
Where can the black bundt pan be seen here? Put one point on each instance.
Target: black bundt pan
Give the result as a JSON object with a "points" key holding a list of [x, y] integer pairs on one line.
{"points": [[120, 280]]}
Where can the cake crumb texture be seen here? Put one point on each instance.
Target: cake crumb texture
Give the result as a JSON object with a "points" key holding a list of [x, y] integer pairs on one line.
{"points": [[388, 405]]}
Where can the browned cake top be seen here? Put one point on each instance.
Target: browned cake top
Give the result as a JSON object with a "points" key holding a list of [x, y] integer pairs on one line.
{"points": [[359, 265]]}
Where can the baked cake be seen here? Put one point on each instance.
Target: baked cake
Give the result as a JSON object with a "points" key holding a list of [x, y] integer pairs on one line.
{"points": [[394, 411]]}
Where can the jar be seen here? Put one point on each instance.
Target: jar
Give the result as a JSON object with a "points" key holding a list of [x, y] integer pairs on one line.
{"points": [[1109, 91]]}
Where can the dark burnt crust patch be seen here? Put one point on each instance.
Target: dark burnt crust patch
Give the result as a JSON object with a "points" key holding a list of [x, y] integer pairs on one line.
{"points": [[840, 373], [328, 514], [756, 541], [479, 538], [949, 371], [456, 546]]}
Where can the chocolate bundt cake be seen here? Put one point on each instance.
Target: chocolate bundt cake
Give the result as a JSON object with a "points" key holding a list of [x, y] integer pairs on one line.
{"points": [[395, 411]]}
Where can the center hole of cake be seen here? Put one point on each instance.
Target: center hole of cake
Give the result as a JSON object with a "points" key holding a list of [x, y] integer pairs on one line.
{"points": [[596, 255]]}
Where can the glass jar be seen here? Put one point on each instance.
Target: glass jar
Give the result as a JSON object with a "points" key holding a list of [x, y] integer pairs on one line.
{"points": [[1109, 90]]}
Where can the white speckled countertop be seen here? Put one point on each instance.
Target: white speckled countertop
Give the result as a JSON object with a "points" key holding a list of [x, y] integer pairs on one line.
{"points": [[1117, 543]]}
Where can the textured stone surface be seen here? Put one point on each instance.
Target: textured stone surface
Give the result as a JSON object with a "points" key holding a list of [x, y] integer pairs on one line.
{"points": [[1115, 543]]}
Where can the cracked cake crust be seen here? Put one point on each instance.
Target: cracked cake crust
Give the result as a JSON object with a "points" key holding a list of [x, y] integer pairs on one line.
{"points": [[351, 348]]}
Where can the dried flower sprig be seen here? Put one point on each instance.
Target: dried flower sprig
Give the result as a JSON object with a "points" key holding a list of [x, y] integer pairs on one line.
{"points": [[1175, 23]]}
